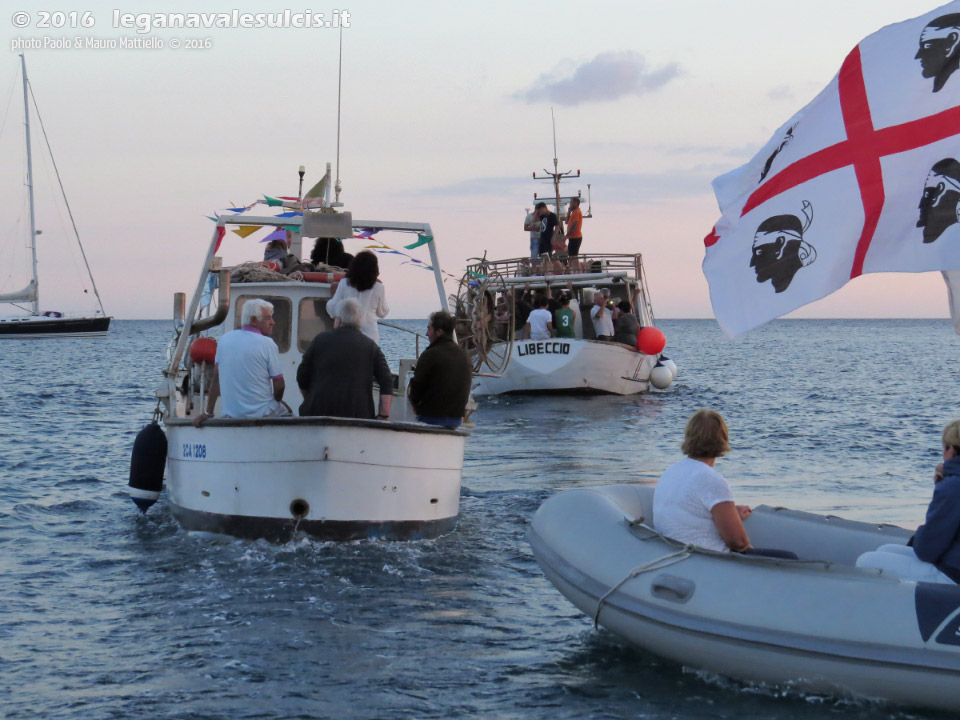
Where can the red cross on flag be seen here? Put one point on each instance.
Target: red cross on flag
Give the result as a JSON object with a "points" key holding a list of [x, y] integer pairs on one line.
{"points": [[866, 178]]}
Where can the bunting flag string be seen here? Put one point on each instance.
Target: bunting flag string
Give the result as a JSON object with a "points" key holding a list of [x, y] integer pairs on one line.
{"points": [[421, 240], [360, 233]]}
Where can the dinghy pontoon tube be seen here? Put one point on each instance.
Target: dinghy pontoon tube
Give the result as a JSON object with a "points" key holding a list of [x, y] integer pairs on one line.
{"points": [[818, 624]]}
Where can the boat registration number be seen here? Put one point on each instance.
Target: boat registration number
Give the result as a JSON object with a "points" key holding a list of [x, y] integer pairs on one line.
{"points": [[196, 450]]}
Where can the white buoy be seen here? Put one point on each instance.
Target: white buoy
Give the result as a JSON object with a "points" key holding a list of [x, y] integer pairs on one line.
{"points": [[667, 362], [661, 377]]}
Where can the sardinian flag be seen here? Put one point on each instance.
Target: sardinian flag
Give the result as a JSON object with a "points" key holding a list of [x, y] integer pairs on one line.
{"points": [[866, 178]]}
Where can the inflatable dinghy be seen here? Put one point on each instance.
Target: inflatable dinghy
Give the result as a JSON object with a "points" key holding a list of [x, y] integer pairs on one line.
{"points": [[815, 624]]}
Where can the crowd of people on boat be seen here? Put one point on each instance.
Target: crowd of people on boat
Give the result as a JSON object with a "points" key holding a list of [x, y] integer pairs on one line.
{"points": [[693, 504], [337, 371], [541, 316]]}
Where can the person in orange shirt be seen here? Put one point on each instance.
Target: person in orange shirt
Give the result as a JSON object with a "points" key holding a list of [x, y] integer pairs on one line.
{"points": [[574, 234]]}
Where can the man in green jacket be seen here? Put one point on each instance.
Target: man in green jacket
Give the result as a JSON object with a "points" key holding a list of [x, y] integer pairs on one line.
{"points": [[441, 380]]}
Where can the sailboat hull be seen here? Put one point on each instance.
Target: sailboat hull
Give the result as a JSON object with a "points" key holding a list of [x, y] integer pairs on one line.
{"points": [[42, 327]]}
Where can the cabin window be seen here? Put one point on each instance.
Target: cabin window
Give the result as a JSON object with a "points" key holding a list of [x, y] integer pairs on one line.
{"points": [[282, 317], [311, 321]]}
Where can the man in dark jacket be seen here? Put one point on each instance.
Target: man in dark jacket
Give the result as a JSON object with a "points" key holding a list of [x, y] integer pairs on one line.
{"points": [[338, 369], [441, 380]]}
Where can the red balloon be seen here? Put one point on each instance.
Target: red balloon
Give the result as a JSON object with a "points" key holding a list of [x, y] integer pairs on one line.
{"points": [[650, 341], [203, 350]]}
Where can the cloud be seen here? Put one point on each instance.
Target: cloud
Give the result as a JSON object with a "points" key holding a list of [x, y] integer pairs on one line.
{"points": [[609, 76], [781, 92]]}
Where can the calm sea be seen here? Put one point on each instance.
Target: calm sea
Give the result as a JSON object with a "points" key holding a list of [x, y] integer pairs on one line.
{"points": [[105, 613]]}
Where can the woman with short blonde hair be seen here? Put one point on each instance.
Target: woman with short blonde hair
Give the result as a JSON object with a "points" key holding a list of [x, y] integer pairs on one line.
{"points": [[706, 435], [693, 502]]}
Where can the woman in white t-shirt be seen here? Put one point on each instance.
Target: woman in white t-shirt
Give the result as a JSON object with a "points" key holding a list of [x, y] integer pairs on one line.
{"points": [[540, 321], [362, 285], [692, 502]]}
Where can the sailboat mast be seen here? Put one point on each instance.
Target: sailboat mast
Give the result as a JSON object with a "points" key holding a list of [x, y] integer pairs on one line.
{"points": [[33, 222], [63, 194]]}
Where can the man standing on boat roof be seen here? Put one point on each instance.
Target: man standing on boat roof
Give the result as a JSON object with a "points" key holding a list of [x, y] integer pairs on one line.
{"points": [[441, 380], [248, 376], [338, 369], [532, 225], [548, 226], [574, 234]]}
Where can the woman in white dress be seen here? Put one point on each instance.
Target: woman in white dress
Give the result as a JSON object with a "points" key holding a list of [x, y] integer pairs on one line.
{"points": [[362, 285]]}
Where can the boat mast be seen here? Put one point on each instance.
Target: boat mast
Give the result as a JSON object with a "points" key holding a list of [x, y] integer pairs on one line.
{"points": [[556, 176], [556, 169], [63, 194], [33, 222]]}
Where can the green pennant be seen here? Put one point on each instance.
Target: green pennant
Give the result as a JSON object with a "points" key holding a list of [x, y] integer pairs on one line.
{"points": [[476, 275], [273, 202], [292, 228], [421, 240], [211, 218]]}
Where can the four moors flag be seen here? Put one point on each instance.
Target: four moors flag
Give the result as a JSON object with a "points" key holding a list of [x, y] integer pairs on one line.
{"points": [[866, 178]]}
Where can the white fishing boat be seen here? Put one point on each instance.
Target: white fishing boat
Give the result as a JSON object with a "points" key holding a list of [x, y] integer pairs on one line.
{"points": [[496, 295], [580, 363], [817, 624], [35, 323], [331, 478]]}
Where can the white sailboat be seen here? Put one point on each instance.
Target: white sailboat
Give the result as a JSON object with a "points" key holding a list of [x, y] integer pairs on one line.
{"points": [[49, 323]]}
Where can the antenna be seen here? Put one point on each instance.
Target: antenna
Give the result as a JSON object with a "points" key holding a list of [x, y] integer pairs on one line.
{"points": [[338, 187], [553, 120]]}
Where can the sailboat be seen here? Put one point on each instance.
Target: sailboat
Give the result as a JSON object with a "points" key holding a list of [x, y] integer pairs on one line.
{"points": [[49, 323]]}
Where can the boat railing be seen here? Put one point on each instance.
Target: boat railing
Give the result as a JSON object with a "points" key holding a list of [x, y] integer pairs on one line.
{"points": [[417, 335], [526, 269]]}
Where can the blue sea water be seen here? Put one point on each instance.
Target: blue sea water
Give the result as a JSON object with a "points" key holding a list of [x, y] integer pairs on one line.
{"points": [[105, 613]]}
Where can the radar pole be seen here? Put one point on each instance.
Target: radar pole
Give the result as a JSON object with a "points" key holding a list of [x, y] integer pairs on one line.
{"points": [[556, 176]]}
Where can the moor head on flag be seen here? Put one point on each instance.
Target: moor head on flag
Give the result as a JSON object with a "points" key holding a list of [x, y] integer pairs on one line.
{"points": [[940, 204], [779, 249], [939, 52]]}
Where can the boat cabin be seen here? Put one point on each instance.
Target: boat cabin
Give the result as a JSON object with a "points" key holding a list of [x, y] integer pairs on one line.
{"points": [[299, 309]]}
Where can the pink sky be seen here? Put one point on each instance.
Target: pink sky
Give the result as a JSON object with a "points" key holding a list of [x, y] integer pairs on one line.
{"points": [[446, 112]]}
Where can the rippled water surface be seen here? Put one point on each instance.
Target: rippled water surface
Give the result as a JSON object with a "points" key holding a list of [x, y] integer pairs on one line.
{"points": [[105, 613]]}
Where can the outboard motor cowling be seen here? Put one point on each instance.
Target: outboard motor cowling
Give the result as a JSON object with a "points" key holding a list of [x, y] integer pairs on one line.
{"points": [[146, 466]]}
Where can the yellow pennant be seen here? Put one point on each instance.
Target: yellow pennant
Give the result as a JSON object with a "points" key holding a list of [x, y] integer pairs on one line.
{"points": [[245, 230]]}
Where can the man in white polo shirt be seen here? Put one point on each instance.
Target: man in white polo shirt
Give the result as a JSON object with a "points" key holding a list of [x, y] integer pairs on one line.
{"points": [[248, 374]]}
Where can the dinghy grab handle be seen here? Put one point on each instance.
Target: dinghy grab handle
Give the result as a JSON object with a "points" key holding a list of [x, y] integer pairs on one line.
{"points": [[655, 564]]}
